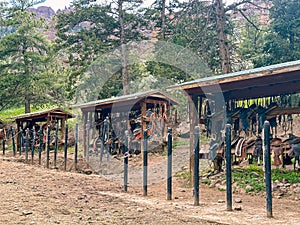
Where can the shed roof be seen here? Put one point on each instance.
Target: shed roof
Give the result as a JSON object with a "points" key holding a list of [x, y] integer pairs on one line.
{"points": [[266, 81], [127, 99], [41, 116]]}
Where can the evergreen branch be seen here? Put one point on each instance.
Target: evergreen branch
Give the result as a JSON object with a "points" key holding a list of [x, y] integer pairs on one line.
{"points": [[234, 6], [249, 21]]}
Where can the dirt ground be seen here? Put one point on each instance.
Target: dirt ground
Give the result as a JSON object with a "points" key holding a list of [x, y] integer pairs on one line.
{"points": [[32, 194]]}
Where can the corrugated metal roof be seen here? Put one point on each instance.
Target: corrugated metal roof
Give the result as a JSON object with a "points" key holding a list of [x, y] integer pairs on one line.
{"points": [[251, 73], [130, 97]]}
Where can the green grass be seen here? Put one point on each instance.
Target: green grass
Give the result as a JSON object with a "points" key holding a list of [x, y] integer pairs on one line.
{"points": [[177, 143], [290, 176], [245, 177], [254, 176], [183, 174], [204, 139], [206, 181], [6, 114]]}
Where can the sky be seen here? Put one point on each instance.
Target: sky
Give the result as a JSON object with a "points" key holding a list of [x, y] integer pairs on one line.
{"points": [[60, 4]]}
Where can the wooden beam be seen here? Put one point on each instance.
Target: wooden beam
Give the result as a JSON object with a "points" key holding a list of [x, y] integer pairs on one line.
{"points": [[247, 88], [84, 120], [283, 111], [143, 123], [193, 114], [245, 75], [264, 91]]}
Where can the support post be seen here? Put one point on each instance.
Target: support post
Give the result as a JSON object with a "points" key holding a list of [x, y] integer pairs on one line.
{"points": [[87, 154], [126, 155], [84, 118], [18, 136], [76, 147], [48, 147], [143, 123], [40, 144], [55, 145], [169, 172], [196, 165], [66, 147], [193, 106], [145, 164], [13, 141], [228, 167], [26, 145], [21, 141], [267, 163], [3, 146], [63, 127], [32, 146]]}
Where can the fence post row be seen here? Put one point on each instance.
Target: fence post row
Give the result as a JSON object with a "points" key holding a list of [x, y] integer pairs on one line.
{"points": [[268, 173]]}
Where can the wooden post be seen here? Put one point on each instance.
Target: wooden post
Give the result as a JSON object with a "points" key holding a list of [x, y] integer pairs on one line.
{"points": [[33, 145], [76, 147], [55, 144], [18, 136], [63, 127], [228, 167], [84, 119], [13, 140], [143, 123], [196, 165], [268, 171], [169, 167], [193, 106], [66, 148], [48, 147]]}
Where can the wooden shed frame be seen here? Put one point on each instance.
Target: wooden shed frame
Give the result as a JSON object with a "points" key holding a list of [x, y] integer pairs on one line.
{"points": [[125, 104], [49, 116], [270, 81]]}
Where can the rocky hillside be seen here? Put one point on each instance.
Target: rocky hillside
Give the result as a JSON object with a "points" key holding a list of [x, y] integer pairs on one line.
{"points": [[43, 12]]}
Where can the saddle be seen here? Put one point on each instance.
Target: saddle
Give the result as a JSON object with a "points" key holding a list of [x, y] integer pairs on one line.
{"points": [[239, 146]]}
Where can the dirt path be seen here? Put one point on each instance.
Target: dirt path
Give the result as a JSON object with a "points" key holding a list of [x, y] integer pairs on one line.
{"points": [[34, 195]]}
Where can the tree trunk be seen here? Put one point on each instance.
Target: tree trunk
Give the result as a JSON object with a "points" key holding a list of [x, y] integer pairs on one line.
{"points": [[163, 18], [124, 71], [222, 39], [27, 104]]}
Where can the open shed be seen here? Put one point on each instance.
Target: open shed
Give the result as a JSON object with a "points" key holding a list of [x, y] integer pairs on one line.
{"points": [[128, 112], [43, 118], [218, 97], [49, 117]]}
